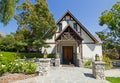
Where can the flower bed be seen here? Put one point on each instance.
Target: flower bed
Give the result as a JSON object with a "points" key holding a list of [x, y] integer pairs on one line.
{"points": [[13, 64]]}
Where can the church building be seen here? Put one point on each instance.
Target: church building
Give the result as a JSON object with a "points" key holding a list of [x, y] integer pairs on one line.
{"points": [[72, 42]]}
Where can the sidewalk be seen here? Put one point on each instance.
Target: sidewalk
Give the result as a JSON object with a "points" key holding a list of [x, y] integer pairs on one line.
{"points": [[65, 75]]}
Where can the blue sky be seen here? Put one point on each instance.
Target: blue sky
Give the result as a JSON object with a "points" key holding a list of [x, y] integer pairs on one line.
{"points": [[86, 11]]}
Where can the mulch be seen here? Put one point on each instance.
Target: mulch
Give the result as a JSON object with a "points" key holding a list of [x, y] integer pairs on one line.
{"points": [[8, 77]]}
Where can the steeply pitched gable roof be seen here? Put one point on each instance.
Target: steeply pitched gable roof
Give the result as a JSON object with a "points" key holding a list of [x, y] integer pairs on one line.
{"points": [[78, 22], [98, 38], [73, 30]]}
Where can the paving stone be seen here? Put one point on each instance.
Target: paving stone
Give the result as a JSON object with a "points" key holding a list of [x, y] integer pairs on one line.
{"points": [[81, 81], [59, 81], [65, 75]]}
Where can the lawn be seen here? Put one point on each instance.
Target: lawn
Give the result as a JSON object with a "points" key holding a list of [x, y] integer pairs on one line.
{"points": [[113, 79]]}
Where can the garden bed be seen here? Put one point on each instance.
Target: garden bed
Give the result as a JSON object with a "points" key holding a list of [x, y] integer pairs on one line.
{"points": [[8, 77]]}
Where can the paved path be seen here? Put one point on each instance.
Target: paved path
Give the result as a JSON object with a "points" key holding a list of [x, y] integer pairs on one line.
{"points": [[65, 75], [113, 73]]}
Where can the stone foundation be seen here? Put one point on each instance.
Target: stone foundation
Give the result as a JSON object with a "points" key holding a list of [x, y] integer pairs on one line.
{"points": [[79, 61], [98, 69]]}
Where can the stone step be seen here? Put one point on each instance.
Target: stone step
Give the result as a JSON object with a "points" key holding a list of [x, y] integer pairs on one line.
{"points": [[68, 65]]}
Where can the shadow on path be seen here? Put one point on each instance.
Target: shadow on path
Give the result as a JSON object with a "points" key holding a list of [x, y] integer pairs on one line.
{"points": [[89, 75]]}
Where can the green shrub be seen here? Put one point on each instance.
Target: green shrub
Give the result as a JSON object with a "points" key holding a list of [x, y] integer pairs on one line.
{"points": [[13, 64], [3, 69], [52, 55], [22, 66], [107, 61], [30, 67], [88, 63], [30, 55], [16, 66]]}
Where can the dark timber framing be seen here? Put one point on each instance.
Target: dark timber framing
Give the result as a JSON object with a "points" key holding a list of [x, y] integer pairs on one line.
{"points": [[79, 23]]}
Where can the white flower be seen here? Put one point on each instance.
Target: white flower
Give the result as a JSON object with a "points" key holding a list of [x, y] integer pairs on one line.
{"points": [[21, 62], [16, 60], [1, 55], [16, 64], [3, 65]]}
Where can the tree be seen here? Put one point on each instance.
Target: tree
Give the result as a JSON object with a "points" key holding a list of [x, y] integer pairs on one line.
{"points": [[110, 48], [38, 20], [7, 43], [7, 10], [111, 18], [21, 40]]}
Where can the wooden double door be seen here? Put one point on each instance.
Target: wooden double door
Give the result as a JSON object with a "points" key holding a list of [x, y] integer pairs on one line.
{"points": [[67, 54]]}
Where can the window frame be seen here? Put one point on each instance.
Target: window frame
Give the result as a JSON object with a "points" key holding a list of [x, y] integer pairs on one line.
{"points": [[60, 27], [75, 26]]}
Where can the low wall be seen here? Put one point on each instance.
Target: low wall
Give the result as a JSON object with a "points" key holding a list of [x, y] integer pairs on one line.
{"points": [[98, 68], [43, 66]]}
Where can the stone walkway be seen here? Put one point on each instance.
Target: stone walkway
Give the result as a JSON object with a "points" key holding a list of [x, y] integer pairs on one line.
{"points": [[113, 73], [65, 75]]}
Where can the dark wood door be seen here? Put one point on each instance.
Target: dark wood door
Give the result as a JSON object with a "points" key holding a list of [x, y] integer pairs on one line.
{"points": [[68, 54]]}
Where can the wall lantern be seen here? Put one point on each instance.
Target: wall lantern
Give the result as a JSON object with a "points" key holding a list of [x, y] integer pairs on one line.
{"points": [[45, 53], [97, 58]]}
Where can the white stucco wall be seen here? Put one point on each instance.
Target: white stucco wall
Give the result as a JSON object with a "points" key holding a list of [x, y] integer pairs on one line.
{"points": [[90, 50], [50, 49], [52, 40]]}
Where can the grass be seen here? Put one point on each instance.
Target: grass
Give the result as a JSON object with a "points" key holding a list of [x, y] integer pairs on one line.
{"points": [[9, 56], [113, 79]]}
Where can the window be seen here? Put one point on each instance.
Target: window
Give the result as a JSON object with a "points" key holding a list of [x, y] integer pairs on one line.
{"points": [[60, 27], [75, 26]]}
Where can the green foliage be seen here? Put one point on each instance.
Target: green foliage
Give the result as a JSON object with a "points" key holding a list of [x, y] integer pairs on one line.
{"points": [[12, 63], [3, 69], [113, 79], [107, 61], [30, 67], [88, 63], [35, 23], [7, 57], [16, 66], [112, 54], [111, 18], [7, 9], [11, 43], [110, 48], [7, 43], [52, 55], [35, 55], [30, 55]]}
